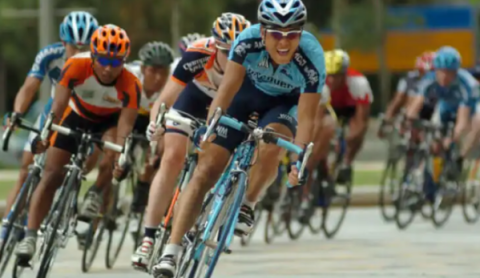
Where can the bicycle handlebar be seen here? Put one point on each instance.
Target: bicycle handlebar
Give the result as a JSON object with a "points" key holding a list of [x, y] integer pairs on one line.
{"points": [[15, 121], [304, 154]]}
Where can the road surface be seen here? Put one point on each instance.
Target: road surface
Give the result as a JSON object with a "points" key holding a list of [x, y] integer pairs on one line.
{"points": [[365, 247]]}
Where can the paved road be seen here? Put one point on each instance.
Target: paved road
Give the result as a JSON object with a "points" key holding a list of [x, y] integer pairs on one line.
{"points": [[366, 247]]}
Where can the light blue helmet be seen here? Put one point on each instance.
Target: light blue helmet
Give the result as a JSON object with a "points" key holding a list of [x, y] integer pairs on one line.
{"points": [[447, 57], [282, 13], [77, 28]]}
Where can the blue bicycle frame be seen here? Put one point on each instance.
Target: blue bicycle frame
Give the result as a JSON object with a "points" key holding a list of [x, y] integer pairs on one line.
{"points": [[236, 173]]}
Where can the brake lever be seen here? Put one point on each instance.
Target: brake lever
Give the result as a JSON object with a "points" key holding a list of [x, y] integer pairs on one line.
{"points": [[306, 156], [213, 124]]}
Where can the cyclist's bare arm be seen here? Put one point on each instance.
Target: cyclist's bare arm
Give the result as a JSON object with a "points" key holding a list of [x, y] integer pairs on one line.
{"points": [[462, 122], [26, 94], [231, 83], [60, 101], [168, 96], [415, 107], [307, 109], [359, 122], [398, 102], [125, 124]]}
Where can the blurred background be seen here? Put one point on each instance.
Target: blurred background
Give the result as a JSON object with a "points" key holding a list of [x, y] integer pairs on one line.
{"points": [[383, 37]]}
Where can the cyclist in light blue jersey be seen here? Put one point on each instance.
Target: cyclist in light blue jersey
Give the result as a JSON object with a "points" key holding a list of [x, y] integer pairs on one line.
{"points": [[75, 32], [454, 91], [272, 67]]}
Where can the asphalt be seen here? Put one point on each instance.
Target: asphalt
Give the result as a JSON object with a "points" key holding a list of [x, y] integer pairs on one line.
{"points": [[365, 247]]}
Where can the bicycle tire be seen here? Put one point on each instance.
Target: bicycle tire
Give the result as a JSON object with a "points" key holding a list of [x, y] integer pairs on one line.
{"points": [[315, 191], [470, 188], [439, 222], [239, 187], [390, 168], [49, 253], [10, 242], [292, 213], [93, 240], [330, 233], [111, 217]]}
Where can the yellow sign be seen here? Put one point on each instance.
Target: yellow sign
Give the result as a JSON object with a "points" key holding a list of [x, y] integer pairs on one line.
{"points": [[403, 47]]}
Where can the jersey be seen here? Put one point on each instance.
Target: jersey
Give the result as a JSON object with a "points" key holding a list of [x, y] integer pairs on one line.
{"points": [[48, 63], [407, 85], [354, 91], [146, 103], [304, 74], [92, 100], [464, 91], [198, 65]]}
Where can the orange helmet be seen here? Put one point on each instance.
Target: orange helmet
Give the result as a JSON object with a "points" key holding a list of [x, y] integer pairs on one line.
{"points": [[110, 40]]}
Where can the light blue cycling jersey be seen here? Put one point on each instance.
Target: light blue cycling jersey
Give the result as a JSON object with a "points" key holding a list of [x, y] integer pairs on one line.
{"points": [[304, 74], [49, 62], [464, 91]]}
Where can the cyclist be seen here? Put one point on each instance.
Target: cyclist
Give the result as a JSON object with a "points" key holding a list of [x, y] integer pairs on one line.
{"points": [[406, 88], [190, 90], [75, 32], [183, 44], [272, 67], [455, 93], [350, 97], [94, 92]]}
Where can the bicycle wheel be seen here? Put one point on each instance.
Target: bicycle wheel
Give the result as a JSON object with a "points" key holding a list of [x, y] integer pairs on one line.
{"points": [[275, 224], [16, 219], [245, 240], [387, 190], [239, 187], [61, 216], [339, 203], [111, 220], [444, 201], [292, 216], [318, 200], [92, 243]]}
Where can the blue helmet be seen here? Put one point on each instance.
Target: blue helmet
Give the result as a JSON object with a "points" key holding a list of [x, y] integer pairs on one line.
{"points": [[282, 13], [447, 57], [77, 28]]}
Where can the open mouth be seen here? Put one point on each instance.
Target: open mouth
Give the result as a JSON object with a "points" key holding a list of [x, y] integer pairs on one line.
{"points": [[283, 52]]}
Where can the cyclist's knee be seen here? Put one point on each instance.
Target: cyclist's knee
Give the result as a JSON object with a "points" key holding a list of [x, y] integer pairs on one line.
{"points": [[207, 173], [173, 157], [107, 162], [269, 151]]}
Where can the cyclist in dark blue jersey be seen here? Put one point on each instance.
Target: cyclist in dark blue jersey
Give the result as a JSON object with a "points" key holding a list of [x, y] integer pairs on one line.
{"points": [[272, 67]]}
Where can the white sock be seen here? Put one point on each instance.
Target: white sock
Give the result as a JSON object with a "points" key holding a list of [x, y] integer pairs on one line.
{"points": [[172, 249], [248, 203]]}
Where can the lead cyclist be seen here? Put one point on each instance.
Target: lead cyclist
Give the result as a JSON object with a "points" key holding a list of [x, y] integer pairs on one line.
{"points": [[273, 67], [75, 32]]}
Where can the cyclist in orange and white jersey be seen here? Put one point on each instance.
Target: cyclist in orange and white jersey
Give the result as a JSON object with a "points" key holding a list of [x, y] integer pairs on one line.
{"points": [[350, 96], [191, 88], [94, 93]]}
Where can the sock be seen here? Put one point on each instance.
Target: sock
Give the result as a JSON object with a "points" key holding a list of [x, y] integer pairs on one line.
{"points": [[172, 250], [32, 233], [150, 232], [249, 204]]}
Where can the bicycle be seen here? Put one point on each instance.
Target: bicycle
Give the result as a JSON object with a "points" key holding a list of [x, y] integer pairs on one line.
{"points": [[228, 196], [163, 233], [471, 193], [61, 222], [389, 179], [14, 224]]}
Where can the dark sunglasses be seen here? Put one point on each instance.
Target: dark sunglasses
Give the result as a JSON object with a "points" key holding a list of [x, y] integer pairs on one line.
{"points": [[106, 61], [289, 35]]}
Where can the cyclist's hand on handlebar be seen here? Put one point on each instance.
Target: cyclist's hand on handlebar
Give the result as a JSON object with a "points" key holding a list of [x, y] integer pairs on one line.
{"points": [[293, 176], [447, 142], [154, 132], [118, 172], [39, 146]]}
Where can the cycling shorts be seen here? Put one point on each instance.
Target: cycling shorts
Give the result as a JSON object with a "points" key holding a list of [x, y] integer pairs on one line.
{"points": [[192, 101], [270, 109], [141, 124], [73, 120], [345, 113], [39, 122]]}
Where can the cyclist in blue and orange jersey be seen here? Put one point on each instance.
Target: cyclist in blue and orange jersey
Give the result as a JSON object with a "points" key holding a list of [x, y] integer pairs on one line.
{"points": [[75, 32], [273, 67], [454, 92], [183, 44], [191, 88], [97, 94]]}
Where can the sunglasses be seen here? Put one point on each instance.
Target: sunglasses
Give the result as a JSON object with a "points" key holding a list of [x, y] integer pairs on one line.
{"points": [[113, 62], [289, 35], [222, 49]]}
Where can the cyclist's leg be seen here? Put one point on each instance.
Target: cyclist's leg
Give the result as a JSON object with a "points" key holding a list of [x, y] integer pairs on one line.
{"points": [[93, 199], [193, 102], [474, 134], [92, 160], [57, 157]]}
